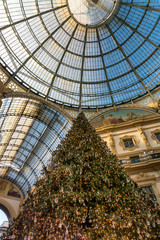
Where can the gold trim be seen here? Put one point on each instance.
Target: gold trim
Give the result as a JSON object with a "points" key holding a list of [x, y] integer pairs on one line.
{"points": [[134, 139], [154, 135]]}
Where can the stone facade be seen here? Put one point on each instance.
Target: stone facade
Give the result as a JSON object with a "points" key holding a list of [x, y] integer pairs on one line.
{"points": [[133, 134]]}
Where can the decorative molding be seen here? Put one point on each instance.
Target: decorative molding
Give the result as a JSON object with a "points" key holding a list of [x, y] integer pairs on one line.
{"points": [[4, 90], [134, 139], [13, 86], [144, 176], [144, 137], [153, 135], [3, 76], [74, 114]]}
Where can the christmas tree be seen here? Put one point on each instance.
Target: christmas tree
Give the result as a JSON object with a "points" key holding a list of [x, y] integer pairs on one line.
{"points": [[87, 195]]}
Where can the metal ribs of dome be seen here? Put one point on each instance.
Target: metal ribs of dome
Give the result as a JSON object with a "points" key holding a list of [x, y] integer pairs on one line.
{"points": [[46, 50], [30, 132], [92, 12]]}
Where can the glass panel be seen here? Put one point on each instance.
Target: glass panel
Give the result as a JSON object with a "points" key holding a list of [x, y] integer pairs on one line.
{"points": [[157, 136], [128, 143], [55, 48], [30, 132], [135, 159]]}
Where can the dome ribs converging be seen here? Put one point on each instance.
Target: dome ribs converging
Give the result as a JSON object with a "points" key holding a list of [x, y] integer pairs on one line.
{"points": [[33, 53], [84, 55], [31, 17]]}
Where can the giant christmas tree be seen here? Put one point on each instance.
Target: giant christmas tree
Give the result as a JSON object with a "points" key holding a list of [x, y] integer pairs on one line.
{"points": [[86, 195]]}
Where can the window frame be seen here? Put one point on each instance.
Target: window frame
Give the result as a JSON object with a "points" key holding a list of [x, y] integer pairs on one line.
{"points": [[154, 135], [135, 161], [134, 140]]}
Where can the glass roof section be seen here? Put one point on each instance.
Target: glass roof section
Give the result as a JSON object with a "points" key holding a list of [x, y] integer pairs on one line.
{"points": [[29, 133], [84, 54], [92, 12]]}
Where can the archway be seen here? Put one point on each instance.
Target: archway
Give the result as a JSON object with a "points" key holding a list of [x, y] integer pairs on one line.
{"points": [[5, 219], [6, 211]]}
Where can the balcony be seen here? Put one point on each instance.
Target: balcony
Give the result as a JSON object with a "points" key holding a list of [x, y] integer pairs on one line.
{"points": [[144, 158]]}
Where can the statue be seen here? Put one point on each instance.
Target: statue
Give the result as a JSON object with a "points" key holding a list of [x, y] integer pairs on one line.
{"points": [[112, 143], [144, 137], [111, 140]]}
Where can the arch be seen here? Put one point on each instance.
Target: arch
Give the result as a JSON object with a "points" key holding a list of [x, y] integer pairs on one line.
{"points": [[32, 96], [6, 211], [31, 131]]}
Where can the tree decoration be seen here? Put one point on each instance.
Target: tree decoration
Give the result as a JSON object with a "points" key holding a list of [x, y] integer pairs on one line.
{"points": [[86, 196]]}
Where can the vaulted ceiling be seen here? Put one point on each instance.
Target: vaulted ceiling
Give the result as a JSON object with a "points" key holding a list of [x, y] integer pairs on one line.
{"points": [[84, 53], [29, 134]]}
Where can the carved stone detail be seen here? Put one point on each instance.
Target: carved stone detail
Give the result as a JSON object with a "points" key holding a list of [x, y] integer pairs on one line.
{"points": [[144, 137], [112, 143], [4, 89], [134, 139], [157, 131]]}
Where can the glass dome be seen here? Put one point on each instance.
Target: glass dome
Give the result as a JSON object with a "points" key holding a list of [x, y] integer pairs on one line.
{"points": [[92, 12], [84, 54]]}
